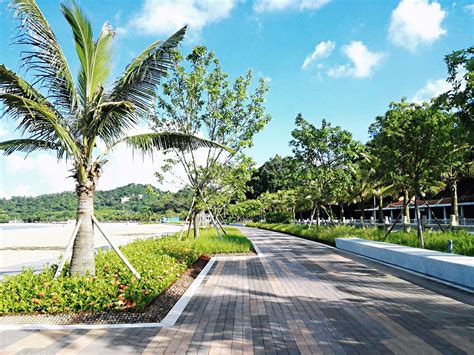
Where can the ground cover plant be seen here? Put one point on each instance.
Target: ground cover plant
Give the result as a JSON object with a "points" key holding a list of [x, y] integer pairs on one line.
{"points": [[463, 241], [159, 261]]}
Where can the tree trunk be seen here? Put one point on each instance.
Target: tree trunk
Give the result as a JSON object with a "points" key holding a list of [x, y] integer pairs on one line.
{"points": [[342, 212], [406, 203], [380, 208], [454, 200], [312, 214], [318, 216], [82, 261], [418, 223], [362, 217], [196, 224]]}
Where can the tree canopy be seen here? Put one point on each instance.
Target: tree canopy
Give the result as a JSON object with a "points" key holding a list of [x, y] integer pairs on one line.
{"points": [[197, 98]]}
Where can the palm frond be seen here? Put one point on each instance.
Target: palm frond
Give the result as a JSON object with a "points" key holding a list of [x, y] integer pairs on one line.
{"points": [[143, 74], [28, 146], [38, 121], [149, 142], [107, 117], [94, 57], [45, 58], [11, 83], [102, 54]]}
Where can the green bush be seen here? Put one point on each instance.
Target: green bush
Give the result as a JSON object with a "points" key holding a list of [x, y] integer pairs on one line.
{"points": [[159, 261], [278, 217], [233, 242], [463, 241]]}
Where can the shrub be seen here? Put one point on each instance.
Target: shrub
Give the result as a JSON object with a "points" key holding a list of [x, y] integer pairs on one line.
{"points": [[233, 242], [278, 217]]}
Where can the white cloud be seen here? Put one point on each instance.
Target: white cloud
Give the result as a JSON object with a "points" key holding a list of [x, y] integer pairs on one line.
{"points": [[363, 61], [469, 9], [261, 6], [271, 5], [3, 131], [416, 22], [162, 17], [341, 71], [322, 50], [313, 4], [21, 190], [432, 89], [43, 172]]}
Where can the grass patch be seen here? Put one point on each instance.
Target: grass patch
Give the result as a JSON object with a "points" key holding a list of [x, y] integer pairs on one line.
{"points": [[159, 261], [233, 242], [463, 241]]}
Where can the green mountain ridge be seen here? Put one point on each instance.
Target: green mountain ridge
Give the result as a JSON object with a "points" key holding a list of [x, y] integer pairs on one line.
{"points": [[136, 202]]}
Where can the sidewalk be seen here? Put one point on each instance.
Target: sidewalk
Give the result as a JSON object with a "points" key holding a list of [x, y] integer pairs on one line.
{"points": [[299, 297]]}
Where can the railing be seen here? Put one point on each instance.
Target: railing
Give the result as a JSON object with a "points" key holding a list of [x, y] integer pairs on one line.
{"points": [[464, 223]]}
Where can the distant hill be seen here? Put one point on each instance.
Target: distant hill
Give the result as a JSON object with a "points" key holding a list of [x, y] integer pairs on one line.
{"points": [[125, 203]]}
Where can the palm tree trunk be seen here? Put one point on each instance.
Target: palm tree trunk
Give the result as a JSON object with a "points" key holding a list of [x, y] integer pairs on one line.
{"points": [[82, 261]]}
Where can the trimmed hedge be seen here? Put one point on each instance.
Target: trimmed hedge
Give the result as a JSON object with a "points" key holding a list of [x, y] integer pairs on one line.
{"points": [[463, 241], [159, 261]]}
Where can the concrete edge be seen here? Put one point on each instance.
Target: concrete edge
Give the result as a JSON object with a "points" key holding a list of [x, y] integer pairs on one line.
{"points": [[173, 315], [416, 273], [169, 320], [256, 248], [447, 283]]}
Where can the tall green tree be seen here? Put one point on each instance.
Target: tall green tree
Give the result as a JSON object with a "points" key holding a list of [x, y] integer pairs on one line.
{"points": [[460, 98], [456, 159], [410, 142], [67, 116], [197, 98], [326, 156], [229, 185], [244, 210], [275, 174]]}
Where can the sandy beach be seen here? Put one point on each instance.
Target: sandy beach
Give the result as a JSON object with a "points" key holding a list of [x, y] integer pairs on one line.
{"points": [[33, 244]]}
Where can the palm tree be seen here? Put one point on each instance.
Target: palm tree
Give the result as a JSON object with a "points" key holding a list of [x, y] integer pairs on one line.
{"points": [[56, 113]]}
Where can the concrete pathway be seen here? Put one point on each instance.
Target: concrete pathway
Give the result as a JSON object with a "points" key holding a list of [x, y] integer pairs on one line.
{"points": [[299, 297]]}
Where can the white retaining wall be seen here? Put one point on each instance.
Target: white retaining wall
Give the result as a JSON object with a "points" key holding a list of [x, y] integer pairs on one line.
{"points": [[452, 268]]}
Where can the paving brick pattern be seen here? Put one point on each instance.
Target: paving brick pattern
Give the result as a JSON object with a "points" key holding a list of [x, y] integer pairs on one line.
{"points": [[299, 297]]}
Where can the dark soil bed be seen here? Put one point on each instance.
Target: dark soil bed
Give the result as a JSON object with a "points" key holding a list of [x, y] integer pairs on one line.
{"points": [[153, 313]]}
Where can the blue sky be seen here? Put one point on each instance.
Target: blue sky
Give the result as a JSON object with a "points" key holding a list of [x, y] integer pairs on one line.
{"points": [[336, 59]]}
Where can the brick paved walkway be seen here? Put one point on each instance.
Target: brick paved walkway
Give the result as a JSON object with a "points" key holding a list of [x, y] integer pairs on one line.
{"points": [[300, 297]]}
